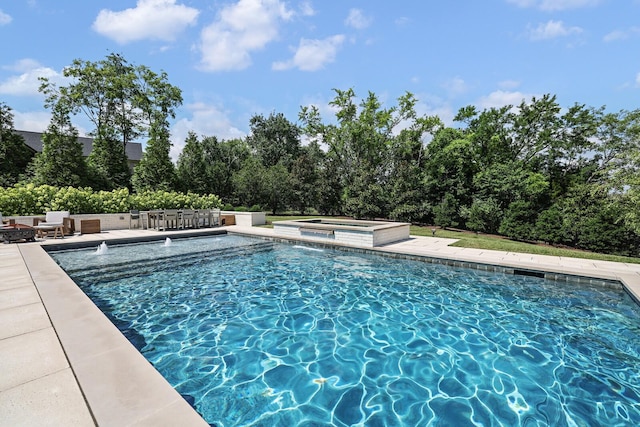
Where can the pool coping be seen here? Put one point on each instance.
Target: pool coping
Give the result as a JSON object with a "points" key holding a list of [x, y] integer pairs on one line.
{"points": [[119, 387]]}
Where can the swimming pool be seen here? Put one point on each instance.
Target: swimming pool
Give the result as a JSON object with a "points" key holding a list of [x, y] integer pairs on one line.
{"points": [[257, 333]]}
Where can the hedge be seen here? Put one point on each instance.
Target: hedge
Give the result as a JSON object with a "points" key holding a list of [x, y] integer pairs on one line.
{"points": [[28, 199]]}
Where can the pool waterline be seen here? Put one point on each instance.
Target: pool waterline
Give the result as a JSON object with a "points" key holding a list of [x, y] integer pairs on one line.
{"points": [[321, 379]]}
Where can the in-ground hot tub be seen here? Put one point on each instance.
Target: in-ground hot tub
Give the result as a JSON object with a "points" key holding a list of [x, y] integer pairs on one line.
{"points": [[345, 231]]}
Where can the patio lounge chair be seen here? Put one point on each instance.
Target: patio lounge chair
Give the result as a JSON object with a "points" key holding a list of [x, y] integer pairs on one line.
{"points": [[55, 221]]}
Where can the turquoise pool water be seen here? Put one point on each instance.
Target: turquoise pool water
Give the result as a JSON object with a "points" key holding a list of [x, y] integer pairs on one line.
{"points": [[255, 333]]}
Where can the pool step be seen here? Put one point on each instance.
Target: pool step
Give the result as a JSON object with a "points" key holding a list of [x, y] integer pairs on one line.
{"points": [[140, 267]]}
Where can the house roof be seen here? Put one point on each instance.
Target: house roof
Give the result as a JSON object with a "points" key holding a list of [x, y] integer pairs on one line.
{"points": [[34, 141]]}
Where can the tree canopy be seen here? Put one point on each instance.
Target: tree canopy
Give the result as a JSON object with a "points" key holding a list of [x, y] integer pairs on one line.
{"points": [[124, 102], [15, 156], [532, 171], [61, 162]]}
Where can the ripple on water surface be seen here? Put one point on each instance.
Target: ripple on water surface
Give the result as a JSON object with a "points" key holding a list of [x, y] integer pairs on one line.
{"points": [[257, 333]]}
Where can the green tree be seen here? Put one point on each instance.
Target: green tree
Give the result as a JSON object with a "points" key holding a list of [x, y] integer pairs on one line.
{"points": [[157, 102], [14, 153], [489, 134], [123, 102], [278, 188], [305, 177], [275, 143], [483, 215], [191, 171], [586, 218], [550, 225], [359, 150], [535, 128], [519, 220], [224, 159], [155, 170], [365, 198], [521, 214], [61, 162], [274, 140], [449, 168], [330, 187], [250, 183], [447, 212], [331, 182], [363, 141], [408, 198], [108, 164], [620, 157]]}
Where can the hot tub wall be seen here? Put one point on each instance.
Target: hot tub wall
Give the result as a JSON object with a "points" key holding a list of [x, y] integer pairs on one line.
{"points": [[374, 236], [391, 234]]}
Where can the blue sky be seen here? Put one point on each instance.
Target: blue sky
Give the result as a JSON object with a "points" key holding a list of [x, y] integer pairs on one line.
{"points": [[237, 58]]}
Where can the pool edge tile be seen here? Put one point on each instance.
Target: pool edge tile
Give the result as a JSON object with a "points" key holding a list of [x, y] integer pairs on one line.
{"points": [[123, 388]]}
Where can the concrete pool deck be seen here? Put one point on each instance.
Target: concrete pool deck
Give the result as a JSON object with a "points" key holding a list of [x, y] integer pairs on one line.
{"points": [[63, 363]]}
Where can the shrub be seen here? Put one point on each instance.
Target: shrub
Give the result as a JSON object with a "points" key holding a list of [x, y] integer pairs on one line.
{"points": [[550, 226], [36, 200], [483, 216], [518, 221], [76, 200], [445, 214]]}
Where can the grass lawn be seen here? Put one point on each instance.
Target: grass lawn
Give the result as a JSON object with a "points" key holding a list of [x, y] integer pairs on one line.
{"points": [[483, 241]]}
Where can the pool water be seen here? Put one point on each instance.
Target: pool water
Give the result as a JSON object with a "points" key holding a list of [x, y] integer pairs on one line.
{"points": [[256, 333]]}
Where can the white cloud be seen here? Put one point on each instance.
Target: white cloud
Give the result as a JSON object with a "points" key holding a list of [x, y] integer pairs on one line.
{"points": [[306, 9], [206, 119], [523, 3], [638, 80], [35, 121], [240, 29], [4, 18], [357, 19], [150, 19], [455, 86], [552, 29], [508, 84], [553, 5], [325, 108], [501, 98], [23, 65], [402, 21], [26, 83], [622, 34], [431, 105], [312, 55]]}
